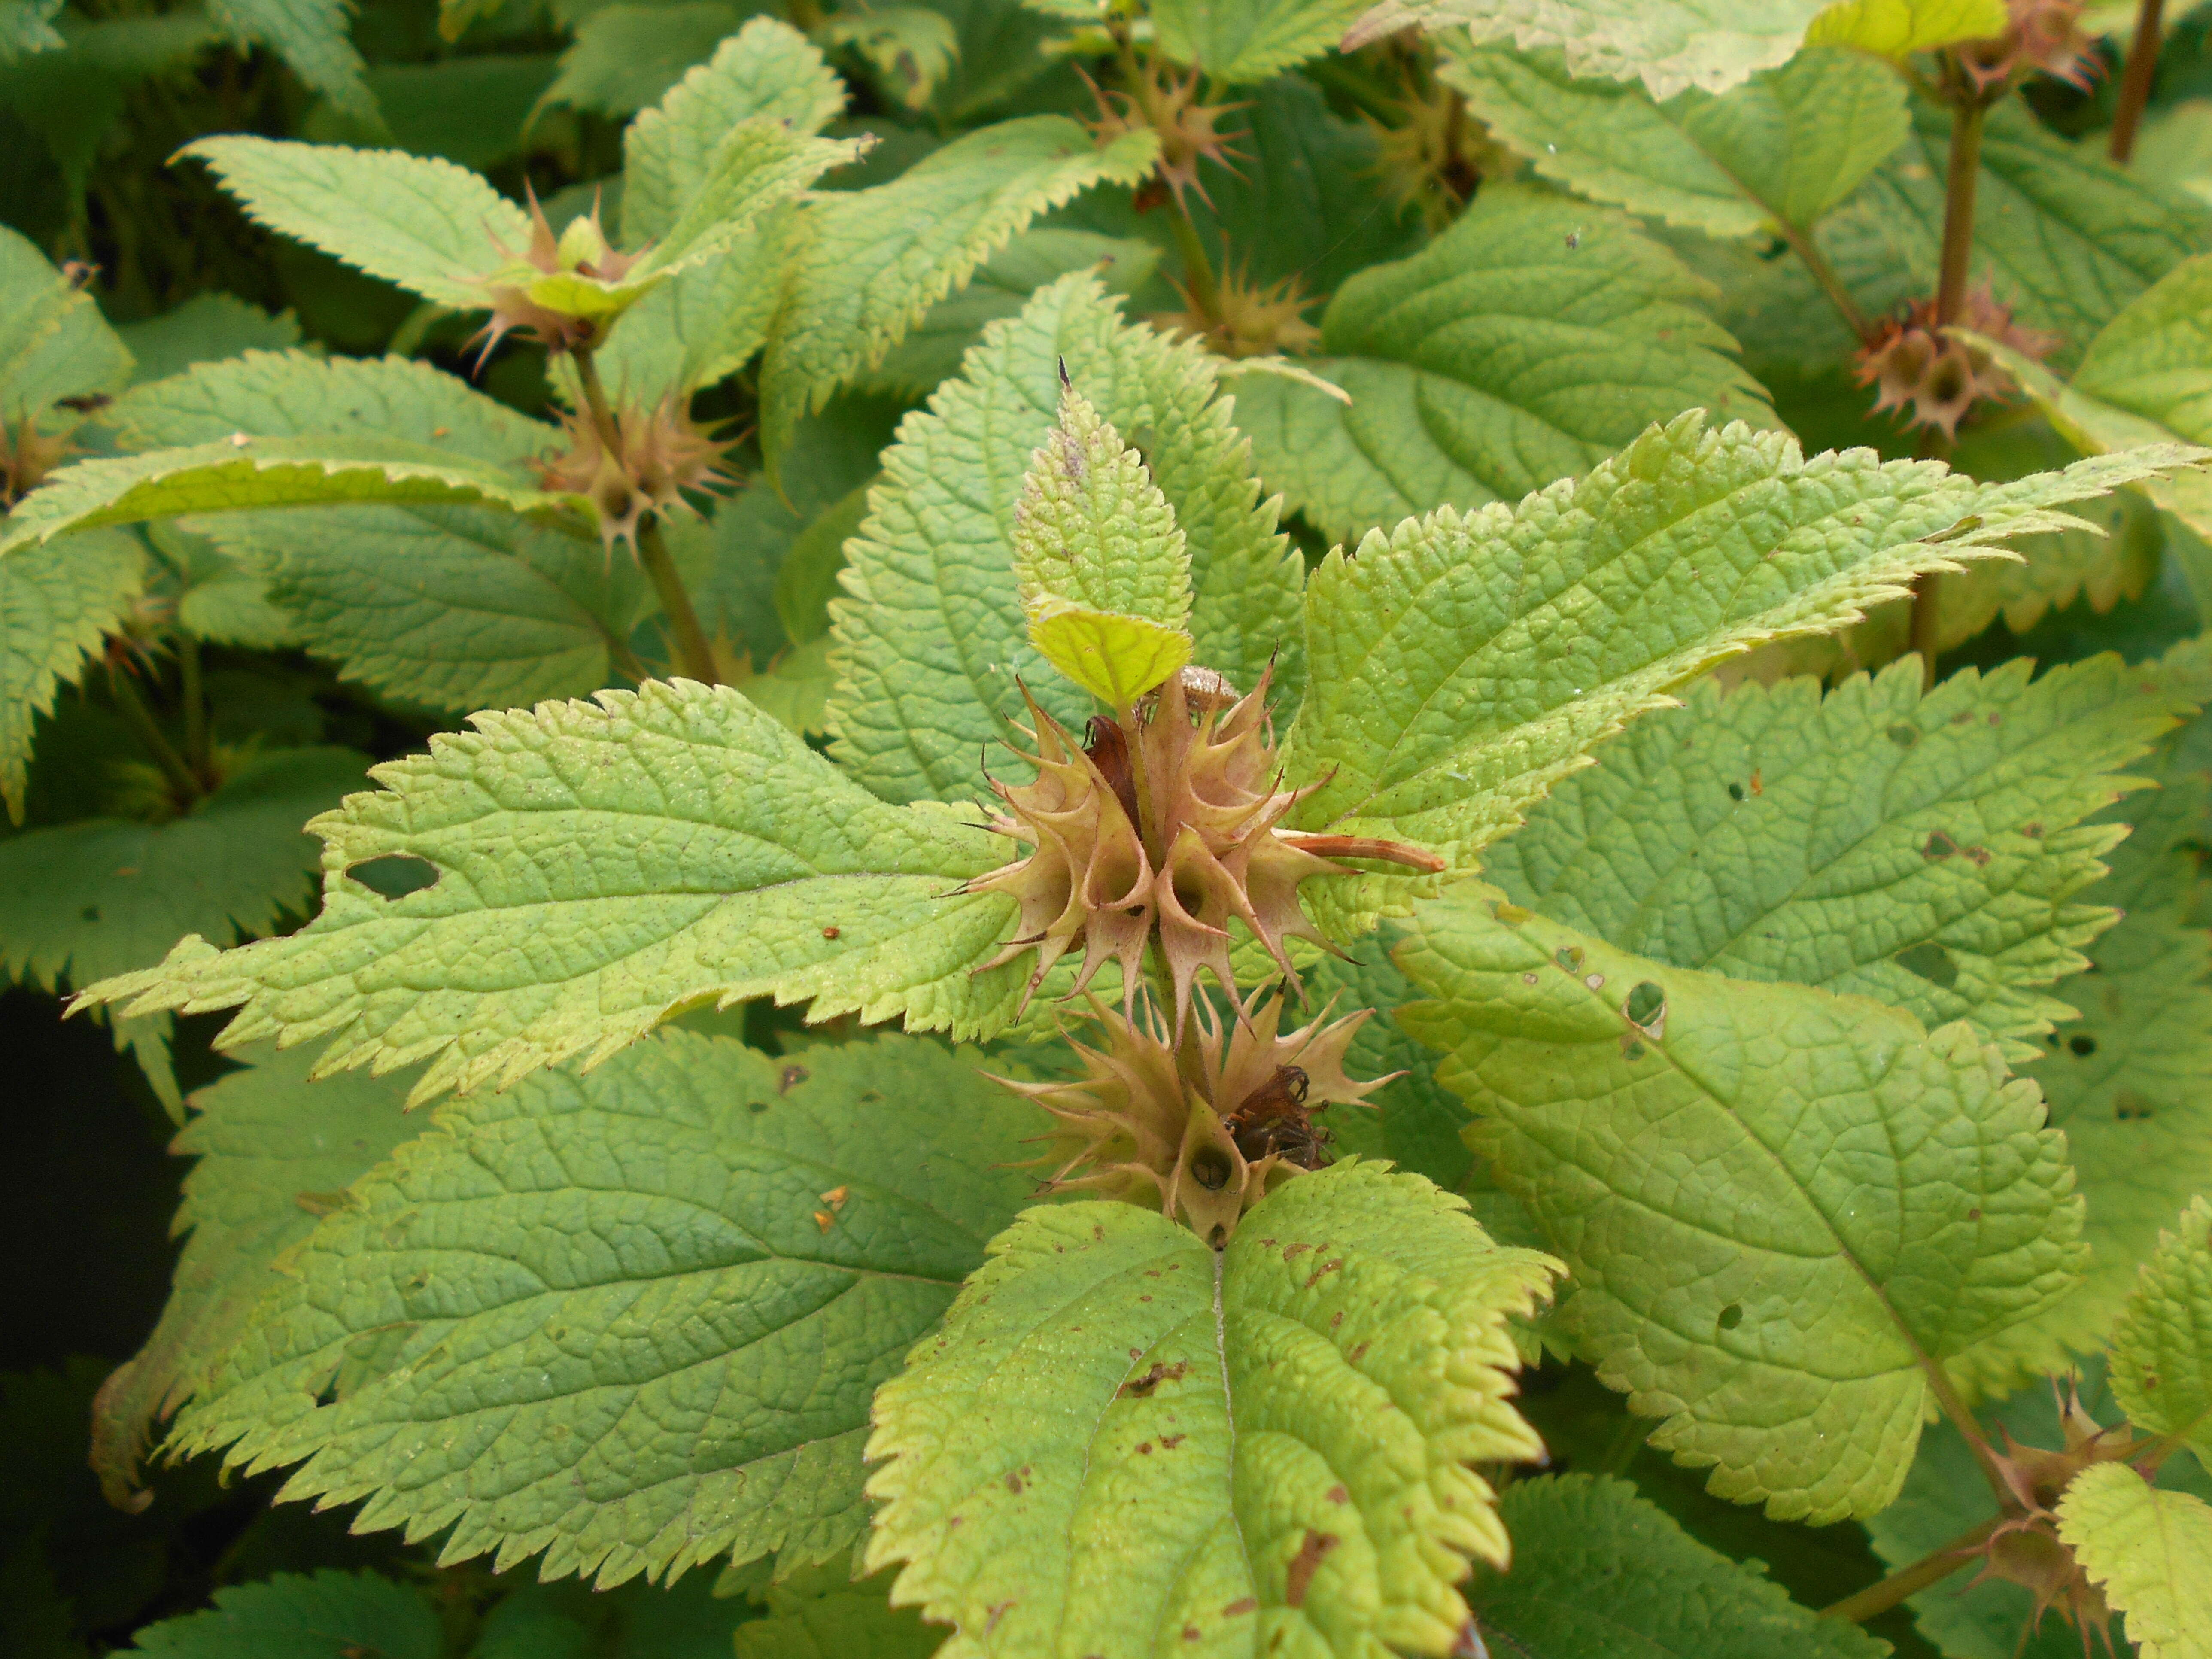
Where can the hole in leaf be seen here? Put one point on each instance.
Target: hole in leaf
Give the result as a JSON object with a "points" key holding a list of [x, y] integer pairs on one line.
{"points": [[1645, 1004], [2083, 1045], [91, 913], [1931, 962], [1735, 791], [395, 875], [1731, 1316], [2129, 1107], [1903, 736]]}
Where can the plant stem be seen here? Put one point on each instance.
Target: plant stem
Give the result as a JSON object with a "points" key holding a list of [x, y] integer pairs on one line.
{"points": [[140, 719], [1964, 174], [1932, 1568], [1198, 271], [2135, 80], [595, 401], [1801, 243], [1985, 1456], [199, 753], [693, 654]]}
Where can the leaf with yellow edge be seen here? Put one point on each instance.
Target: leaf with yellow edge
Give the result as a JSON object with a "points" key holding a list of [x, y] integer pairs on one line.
{"points": [[1897, 28], [2150, 1552], [1123, 1439], [2162, 1350]]}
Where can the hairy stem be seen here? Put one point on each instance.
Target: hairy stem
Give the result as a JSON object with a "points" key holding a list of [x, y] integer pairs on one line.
{"points": [[693, 656], [1985, 1455], [140, 719], [1963, 174], [1800, 243], [2135, 80], [199, 752], [1932, 1568]]}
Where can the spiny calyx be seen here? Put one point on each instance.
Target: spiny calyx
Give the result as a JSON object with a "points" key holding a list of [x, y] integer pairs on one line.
{"points": [[1931, 377], [1171, 824], [655, 455], [1204, 1129], [526, 293]]}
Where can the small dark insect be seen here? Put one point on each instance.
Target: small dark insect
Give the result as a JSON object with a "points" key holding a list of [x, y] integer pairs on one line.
{"points": [[86, 404], [77, 274], [1273, 1119]]}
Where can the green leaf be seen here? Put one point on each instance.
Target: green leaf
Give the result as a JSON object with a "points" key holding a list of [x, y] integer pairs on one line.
{"points": [[1241, 42], [635, 1620], [808, 579], [1115, 658], [795, 688], [602, 865], [56, 603], [818, 1617], [2129, 1082], [271, 472], [1598, 1570], [933, 350], [436, 229], [294, 394], [325, 1615], [1928, 851], [447, 608], [767, 68], [615, 1326], [1104, 572], [2151, 1553], [1897, 28], [80, 901], [2062, 235], [2146, 377], [1464, 666], [27, 26], [759, 162], [1416, 1121], [473, 111], [217, 600], [53, 342], [207, 328], [273, 1155], [626, 57], [870, 264], [1783, 1209], [1784, 148], [1533, 339], [2162, 1347], [1667, 44], [931, 641], [1079, 1492]]}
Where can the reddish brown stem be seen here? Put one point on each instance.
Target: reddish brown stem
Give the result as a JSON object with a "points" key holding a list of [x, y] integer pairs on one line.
{"points": [[2135, 79]]}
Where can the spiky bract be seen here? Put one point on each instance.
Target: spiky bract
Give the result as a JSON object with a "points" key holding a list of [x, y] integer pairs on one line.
{"points": [[1180, 837], [1933, 378], [580, 250], [660, 454], [2039, 34], [1203, 1129]]}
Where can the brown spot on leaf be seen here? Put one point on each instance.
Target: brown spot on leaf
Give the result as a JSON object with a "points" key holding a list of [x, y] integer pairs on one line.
{"points": [[1238, 1609], [835, 1198], [1328, 1267], [824, 1219], [1304, 1564], [1144, 1448], [1337, 1495], [1142, 1387], [1169, 1442], [828, 933]]}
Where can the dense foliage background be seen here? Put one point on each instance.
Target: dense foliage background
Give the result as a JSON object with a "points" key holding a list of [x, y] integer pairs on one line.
{"points": [[1334, 163]]}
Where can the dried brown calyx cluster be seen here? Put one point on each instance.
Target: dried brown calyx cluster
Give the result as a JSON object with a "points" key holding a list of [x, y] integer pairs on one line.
{"points": [[2044, 35], [1435, 156], [644, 464], [26, 455], [1203, 1128], [1170, 829], [1932, 377], [2026, 1549], [1162, 102], [580, 250]]}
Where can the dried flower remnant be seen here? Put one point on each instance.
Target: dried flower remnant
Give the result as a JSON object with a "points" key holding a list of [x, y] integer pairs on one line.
{"points": [[662, 453], [2044, 35], [1204, 1133], [26, 455], [1176, 833], [1933, 378]]}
